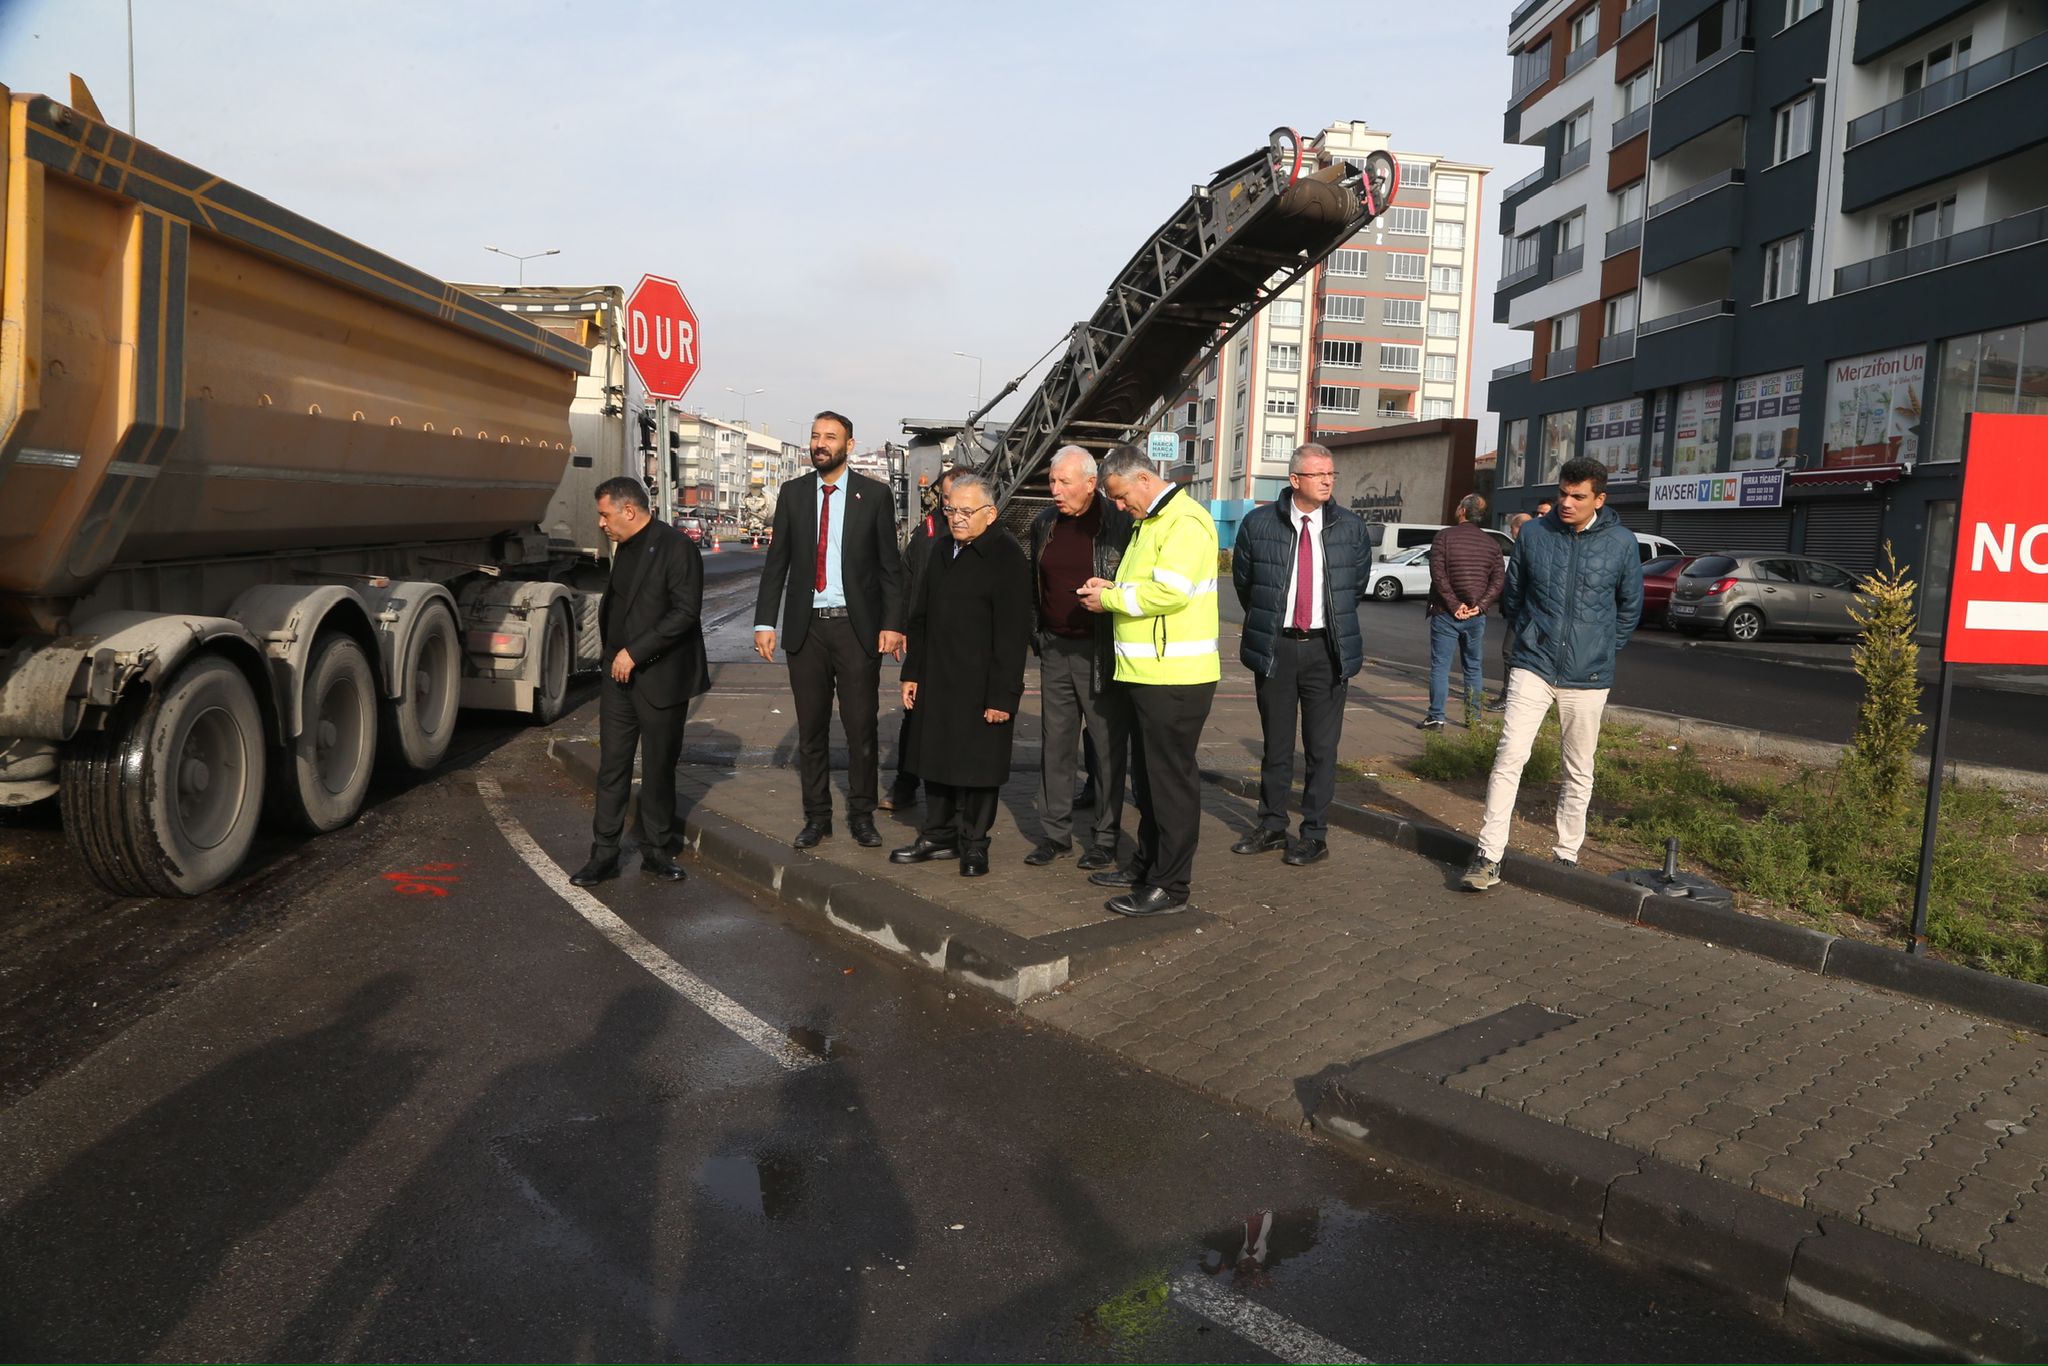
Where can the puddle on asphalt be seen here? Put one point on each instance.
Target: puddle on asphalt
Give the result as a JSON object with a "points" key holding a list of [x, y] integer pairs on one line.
{"points": [[770, 1186], [819, 1044]]}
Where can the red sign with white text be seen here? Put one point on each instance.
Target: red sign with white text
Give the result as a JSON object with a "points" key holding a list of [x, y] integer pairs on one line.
{"points": [[1998, 600], [661, 337]]}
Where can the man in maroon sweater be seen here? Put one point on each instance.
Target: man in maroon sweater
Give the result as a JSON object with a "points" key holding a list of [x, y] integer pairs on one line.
{"points": [[1466, 575]]}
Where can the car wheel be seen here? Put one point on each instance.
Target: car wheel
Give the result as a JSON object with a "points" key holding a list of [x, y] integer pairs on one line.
{"points": [[1387, 590], [1745, 623]]}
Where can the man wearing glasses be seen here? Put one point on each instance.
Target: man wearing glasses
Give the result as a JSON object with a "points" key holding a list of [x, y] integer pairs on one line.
{"points": [[1299, 566], [964, 676]]}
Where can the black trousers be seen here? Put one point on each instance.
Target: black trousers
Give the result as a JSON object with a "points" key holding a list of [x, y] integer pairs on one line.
{"points": [[832, 662], [1166, 779], [626, 721], [1304, 681], [959, 816]]}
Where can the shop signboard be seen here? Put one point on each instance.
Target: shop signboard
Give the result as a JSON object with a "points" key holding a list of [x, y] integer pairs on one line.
{"points": [[1614, 437], [1874, 409], [1699, 492], [1697, 443], [1766, 430]]}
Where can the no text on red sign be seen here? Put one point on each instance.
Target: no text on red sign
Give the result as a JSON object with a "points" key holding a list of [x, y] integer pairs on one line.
{"points": [[661, 337], [1998, 601]]}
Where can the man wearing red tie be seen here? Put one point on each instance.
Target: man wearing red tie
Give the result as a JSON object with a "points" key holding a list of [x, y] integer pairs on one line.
{"points": [[1299, 567], [835, 572]]}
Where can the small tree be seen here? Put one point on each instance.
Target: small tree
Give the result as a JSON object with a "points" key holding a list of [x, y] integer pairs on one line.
{"points": [[1887, 658]]}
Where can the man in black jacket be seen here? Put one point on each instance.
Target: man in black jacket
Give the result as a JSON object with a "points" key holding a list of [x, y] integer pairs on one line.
{"points": [[1082, 536], [917, 553], [1299, 566], [654, 664], [834, 572]]}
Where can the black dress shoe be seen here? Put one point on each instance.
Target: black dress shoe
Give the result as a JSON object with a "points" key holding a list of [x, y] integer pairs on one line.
{"points": [[862, 828], [974, 865], [1260, 841], [1096, 859], [1114, 877], [1085, 797], [1301, 854], [924, 851], [1047, 852], [663, 867], [1151, 901], [601, 868], [813, 831]]}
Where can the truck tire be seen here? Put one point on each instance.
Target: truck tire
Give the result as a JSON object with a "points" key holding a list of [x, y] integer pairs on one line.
{"points": [[165, 801], [319, 779], [557, 651], [419, 723]]}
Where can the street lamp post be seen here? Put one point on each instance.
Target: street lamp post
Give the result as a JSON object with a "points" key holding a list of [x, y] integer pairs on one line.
{"points": [[977, 378], [522, 260], [744, 395]]}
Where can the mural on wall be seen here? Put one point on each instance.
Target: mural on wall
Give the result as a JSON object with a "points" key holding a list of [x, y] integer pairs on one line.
{"points": [[1379, 502], [1874, 408], [1767, 421]]}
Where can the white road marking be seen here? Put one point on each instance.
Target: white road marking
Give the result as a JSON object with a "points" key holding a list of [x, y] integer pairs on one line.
{"points": [[1984, 615], [1256, 1324], [685, 983]]}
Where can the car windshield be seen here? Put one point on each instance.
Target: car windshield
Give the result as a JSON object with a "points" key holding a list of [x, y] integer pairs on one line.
{"points": [[1710, 567], [1410, 555]]}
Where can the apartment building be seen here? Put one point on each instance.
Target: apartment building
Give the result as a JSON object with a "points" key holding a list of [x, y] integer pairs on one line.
{"points": [[1377, 334], [1792, 240]]}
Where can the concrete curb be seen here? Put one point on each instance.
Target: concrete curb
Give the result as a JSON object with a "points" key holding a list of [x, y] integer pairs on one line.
{"points": [[2005, 999], [905, 924], [1804, 1265]]}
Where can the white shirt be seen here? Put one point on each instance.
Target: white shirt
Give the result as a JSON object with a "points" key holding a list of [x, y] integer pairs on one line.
{"points": [[1309, 524]]}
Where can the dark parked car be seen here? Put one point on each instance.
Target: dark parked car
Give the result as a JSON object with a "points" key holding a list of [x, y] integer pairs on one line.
{"points": [[1748, 593], [1658, 577]]}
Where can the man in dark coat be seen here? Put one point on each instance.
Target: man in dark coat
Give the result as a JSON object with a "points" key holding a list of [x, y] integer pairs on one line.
{"points": [[964, 676], [916, 552], [654, 664], [836, 576], [1466, 575], [1299, 566]]}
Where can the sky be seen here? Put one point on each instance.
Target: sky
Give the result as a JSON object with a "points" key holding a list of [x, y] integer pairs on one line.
{"points": [[848, 193]]}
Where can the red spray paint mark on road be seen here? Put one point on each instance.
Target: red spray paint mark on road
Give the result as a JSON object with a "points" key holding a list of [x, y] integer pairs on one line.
{"points": [[425, 880]]}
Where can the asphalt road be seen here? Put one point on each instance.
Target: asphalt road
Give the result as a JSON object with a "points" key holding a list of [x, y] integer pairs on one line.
{"points": [[428, 1108]]}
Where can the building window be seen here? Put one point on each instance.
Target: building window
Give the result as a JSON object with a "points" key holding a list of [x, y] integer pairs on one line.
{"points": [[1408, 222], [2005, 371], [1283, 357], [1532, 68], [1585, 26], [1521, 253], [1443, 369], [1564, 332], [1635, 91], [1284, 313], [1578, 130], [1450, 236], [1244, 359], [1350, 261], [1279, 446], [1700, 43], [1394, 357], [1571, 232], [1414, 175], [1793, 135], [1924, 224], [1346, 308], [1281, 402], [1938, 65], [1406, 265], [1560, 442], [1443, 322], [1795, 10], [1192, 416], [1349, 354], [1784, 269], [1446, 279], [1401, 312], [1237, 452], [1628, 204], [1435, 407], [1209, 410], [1621, 314], [1395, 403], [1336, 399], [1452, 189]]}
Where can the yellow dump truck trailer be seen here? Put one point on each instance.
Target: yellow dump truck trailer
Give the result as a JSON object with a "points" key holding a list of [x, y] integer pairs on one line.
{"points": [[271, 503]]}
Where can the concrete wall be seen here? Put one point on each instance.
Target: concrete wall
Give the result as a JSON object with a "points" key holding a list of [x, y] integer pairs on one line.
{"points": [[1411, 473]]}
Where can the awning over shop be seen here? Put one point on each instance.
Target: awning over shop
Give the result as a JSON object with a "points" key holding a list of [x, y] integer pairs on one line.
{"points": [[1847, 474]]}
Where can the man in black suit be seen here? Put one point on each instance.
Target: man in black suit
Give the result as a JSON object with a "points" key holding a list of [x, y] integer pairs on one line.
{"points": [[654, 664], [834, 570]]}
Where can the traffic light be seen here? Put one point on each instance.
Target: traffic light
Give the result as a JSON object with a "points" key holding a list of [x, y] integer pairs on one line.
{"points": [[647, 424]]}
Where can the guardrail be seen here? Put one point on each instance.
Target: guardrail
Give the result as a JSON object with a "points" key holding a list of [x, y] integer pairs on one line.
{"points": [[1534, 177], [1698, 313], [1620, 346], [1625, 237], [1575, 160], [1577, 58], [1561, 362], [1731, 176], [1630, 124], [2020, 230], [1974, 79], [1520, 367], [1635, 14], [1567, 262]]}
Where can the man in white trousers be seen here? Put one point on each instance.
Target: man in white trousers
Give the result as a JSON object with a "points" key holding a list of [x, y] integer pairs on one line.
{"points": [[1574, 595]]}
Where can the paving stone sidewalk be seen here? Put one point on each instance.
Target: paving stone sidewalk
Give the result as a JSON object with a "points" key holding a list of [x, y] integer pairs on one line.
{"points": [[1906, 1117]]}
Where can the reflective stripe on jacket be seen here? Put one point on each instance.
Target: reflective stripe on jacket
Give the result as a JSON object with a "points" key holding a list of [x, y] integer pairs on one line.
{"points": [[1164, 601]]}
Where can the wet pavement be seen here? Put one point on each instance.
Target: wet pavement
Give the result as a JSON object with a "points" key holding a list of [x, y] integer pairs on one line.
{"points": [[423, 1108]]}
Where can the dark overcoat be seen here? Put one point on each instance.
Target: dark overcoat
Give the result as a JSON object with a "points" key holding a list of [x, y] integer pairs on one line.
{"points": [[970, 629]]}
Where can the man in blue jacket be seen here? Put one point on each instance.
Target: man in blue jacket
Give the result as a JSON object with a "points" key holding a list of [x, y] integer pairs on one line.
{"points": [[1299, 566], [1574, 595]]}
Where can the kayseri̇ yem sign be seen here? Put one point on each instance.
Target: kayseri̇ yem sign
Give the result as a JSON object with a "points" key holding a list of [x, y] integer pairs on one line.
{"points": [[1744, 489]]}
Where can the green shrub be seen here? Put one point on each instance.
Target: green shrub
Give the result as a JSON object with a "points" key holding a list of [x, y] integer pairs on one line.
{"points": [[1887, 659]]}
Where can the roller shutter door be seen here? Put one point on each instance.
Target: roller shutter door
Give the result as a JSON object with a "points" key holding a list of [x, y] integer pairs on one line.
{"points": [[1698, 533], [1638, 519], [1846, 533]]}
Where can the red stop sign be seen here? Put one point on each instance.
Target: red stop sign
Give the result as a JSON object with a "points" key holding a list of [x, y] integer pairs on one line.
{"points": [[661, 336]]}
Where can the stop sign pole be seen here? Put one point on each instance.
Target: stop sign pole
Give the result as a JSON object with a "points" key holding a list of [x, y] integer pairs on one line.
{"points": [[662, 346]]}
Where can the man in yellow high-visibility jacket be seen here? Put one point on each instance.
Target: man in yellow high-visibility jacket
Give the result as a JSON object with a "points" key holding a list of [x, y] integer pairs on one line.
{"points": [[1166, 628]]}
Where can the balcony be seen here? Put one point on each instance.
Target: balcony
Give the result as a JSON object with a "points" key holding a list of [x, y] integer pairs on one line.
{"points": [[1620, 346], [1630, 124], [1527, 182], [1561, 362], [1520, 367], [1632, 18], [1682, 346], [1702, 98], [2007, 234], [1624, 238], [1703, 217], [1567, 263], [1882, 25], [1578, 57], [1685, 317], [1984, 113], [1574, 160]]}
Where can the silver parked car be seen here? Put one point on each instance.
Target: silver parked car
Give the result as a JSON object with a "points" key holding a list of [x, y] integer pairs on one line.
{"points": [[1747, 593]]}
